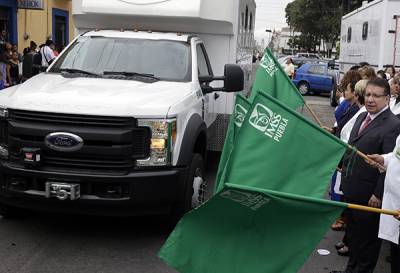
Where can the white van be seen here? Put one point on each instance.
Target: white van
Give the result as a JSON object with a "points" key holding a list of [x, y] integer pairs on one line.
{"points": [[120, 122], [371, 34]]}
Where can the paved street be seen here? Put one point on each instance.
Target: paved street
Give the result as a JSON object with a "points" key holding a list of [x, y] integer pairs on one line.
{"points": [[49, 243]]}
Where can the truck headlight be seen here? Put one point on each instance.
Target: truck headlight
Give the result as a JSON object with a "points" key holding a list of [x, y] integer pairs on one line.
{"points": [[3, 134], [163, 136]]}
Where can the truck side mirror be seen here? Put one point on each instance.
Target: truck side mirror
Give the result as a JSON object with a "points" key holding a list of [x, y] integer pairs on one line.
{"points": [[233, 80]]}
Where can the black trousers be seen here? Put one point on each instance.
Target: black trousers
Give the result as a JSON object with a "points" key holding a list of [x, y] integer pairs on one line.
{"points": [[364, 244], [395, 253]]}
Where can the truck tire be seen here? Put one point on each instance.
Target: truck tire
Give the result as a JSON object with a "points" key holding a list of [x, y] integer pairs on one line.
{"points": [[195, 188], [11, 212]]}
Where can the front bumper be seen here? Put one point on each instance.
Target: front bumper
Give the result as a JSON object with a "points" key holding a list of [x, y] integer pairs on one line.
{"points": [[137, 193]]}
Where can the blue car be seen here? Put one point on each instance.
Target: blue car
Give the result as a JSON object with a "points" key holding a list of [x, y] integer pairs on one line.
{"points": [[315, 77]]}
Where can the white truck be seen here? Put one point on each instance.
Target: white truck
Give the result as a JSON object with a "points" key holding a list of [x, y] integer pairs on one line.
{"points": [[120, 122], [371, 34]]}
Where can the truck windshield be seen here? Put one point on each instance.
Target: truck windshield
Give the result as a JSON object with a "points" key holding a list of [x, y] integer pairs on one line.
{"points": [[162, 59]]}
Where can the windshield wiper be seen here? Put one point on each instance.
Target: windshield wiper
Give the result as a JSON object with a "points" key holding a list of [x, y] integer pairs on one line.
{"points": [[130, 74], [77, 71]]}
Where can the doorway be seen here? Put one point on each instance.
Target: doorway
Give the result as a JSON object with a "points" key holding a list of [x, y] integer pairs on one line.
{"points": [[60, 28]]}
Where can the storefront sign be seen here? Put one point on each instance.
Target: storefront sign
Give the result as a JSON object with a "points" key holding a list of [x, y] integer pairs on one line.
{"points": [[30, 4]]}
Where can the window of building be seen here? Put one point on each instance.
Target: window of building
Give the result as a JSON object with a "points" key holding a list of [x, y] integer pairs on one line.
{"points": [[251, 21], [349, 35], [365, 31], [246, 20]]}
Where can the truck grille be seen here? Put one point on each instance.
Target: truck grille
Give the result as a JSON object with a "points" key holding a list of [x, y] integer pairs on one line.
{"points": [[111, 144]]}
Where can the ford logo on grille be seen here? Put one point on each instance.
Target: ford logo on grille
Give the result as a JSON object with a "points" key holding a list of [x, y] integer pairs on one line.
{"points": [[64, 142]]}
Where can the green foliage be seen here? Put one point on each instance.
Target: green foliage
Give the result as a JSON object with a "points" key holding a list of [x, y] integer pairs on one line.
{"points": [[316, 20]]}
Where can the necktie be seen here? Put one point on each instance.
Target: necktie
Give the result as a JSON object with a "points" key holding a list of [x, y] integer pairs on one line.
{"points": [[365, 125], [397, 100]]}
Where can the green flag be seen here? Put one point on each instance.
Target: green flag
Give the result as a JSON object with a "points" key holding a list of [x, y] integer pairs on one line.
{"points": [[278, 149], [237, 118], [272, 79], [243, 229]]}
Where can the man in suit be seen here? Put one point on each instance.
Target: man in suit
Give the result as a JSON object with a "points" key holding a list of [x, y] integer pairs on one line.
{"points": [[374, 132]]}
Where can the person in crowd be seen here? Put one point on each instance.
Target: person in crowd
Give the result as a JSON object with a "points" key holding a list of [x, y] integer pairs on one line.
{"points": [[395, 95], [8, 51], [15, 49], [352, 99], [367, 73], [359, 92], [31, 48], [374, 132], [13, 75], [27, 66], [4, 60], [356, 101], [3, 37], [348, 127], [388, 226], [350, 76], [47, 53], [390, 71], [381, 74], [289, 68]]}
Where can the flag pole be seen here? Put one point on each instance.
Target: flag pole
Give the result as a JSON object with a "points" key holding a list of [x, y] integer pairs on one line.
{"points": [[375, 210], [313, 114], [364, 156], [369, 160]]}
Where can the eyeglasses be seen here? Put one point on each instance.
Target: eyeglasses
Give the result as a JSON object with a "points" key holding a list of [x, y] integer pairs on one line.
{"points": [[374, 96]]}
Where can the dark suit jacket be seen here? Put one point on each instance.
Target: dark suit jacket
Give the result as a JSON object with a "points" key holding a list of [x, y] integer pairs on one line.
{"points": [[360, 180]]}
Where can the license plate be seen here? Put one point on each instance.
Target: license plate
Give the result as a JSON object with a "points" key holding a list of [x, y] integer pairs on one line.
{"points": [[63, 191]]}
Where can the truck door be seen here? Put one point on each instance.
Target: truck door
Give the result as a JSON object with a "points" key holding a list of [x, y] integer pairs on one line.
{"points": [[204, 69]]}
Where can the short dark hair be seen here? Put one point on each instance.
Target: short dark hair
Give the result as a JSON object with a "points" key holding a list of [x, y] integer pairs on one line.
{"points": [[363, 64], [381, 83], [49, 42], [381, 74], [355, 67], [352, 85]]}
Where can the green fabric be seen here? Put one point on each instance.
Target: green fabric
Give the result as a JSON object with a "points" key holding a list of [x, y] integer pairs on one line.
{"points": [[278, 149], [243, 229], [272, 79], [236, 120]]}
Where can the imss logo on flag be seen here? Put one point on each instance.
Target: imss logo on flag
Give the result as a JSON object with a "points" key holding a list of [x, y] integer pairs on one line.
{"points": [[269, 65], [240, 114], [253, 201], [265, 120]]}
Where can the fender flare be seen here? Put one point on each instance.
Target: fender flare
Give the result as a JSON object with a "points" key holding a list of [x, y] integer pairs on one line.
{"points": [[195, 128]]}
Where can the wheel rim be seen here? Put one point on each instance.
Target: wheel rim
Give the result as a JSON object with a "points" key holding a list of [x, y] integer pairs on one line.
{"points": [[303, 88], [199, 189]]}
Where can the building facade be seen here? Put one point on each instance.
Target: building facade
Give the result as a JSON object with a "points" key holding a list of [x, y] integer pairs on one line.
{"points": [[37, 20]]}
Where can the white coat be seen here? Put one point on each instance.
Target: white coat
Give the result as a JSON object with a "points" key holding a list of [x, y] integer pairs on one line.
{"points": [[394, 107], [389, 226]]}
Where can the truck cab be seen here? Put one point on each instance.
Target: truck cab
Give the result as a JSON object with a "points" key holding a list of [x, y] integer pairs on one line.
{"points": [[117, 125]]}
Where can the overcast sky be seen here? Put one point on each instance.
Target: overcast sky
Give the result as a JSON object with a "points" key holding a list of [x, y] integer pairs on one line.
{"points": [[270, 14]]}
